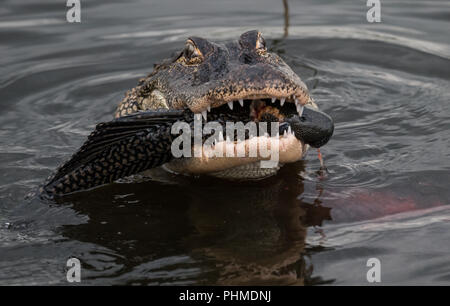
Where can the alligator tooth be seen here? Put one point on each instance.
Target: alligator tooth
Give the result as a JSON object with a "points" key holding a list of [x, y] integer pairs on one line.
{"points": [[208, 108], [204, 115], [198, 116], [220, 136], [285, 135], [273, 100], [300, 109], [282, 101], [230, 105], [241, 102], [289, 130]]}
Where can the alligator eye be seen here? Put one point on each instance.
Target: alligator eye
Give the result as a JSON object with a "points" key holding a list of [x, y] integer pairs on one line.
{"points": [[191, 53], [260, 43]]}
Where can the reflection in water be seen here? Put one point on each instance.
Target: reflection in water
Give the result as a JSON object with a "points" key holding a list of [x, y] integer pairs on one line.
{"points": [[242, 233]]}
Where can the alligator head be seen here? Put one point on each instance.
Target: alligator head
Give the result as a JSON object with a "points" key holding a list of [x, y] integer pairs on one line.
{"points": [[240, 77]]}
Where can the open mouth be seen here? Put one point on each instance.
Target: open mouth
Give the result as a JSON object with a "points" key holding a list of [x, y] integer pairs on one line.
{"points": [[291, 124]]}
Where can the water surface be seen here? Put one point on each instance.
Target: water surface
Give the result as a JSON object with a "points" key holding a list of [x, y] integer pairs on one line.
{"points": [[386, 196]]}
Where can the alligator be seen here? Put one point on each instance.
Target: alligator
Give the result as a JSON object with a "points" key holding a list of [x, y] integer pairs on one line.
{"points": [[237, 81]]}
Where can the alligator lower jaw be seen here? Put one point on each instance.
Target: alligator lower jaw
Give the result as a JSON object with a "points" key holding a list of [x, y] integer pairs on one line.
{"points": [[285, 149]]}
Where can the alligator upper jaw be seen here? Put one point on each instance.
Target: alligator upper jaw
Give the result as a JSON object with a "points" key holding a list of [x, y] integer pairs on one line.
{"points": [[289, 104]]}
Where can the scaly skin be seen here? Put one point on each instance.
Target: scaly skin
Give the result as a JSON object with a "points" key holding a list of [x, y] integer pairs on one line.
{"points": [[114, 150], [125, 146], [205, 75], [214, 75], [202, 79]]}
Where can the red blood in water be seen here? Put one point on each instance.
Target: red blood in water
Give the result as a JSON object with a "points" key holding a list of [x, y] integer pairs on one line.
{"points": [[366, 204]]}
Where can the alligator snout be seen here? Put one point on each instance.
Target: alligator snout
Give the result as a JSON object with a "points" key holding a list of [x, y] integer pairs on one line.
{"points": [[313, 127]]}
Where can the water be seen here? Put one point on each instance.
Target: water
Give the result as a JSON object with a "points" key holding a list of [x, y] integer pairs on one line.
{"points": [[386, 196]]}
